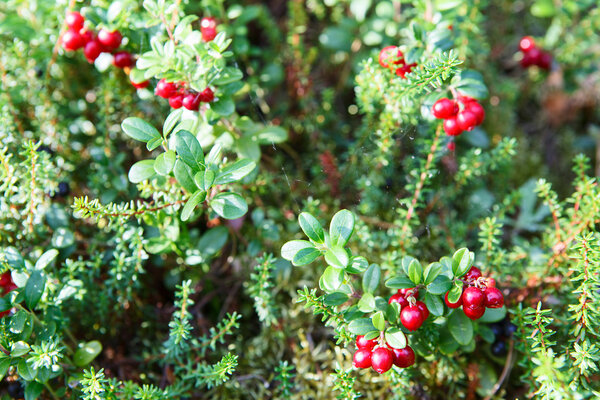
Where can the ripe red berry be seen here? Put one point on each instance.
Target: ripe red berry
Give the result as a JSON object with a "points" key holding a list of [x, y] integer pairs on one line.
{"points": [[165, 89], [176, 101], [527, 43], [140, 85], [363, 343], [405, 69], [400, 299], [208, 28], [110, 40], [87, 35], [5, 279], [74, 20], [473, 297], [191, 101], [390, 54], [473, 274], [444, 108], [404, 358], [409, 291], [534, 54], [362, 358], [92, 50], [382, 359], [451, 127], [424, 310], [207, 95], [490, 282], [474, 312], [477, 109], [72, 40], [122, 59], [544, 60], [451, 146], [466, 120], [411, 317], [493, 298], [527, 60], [453, 305]]}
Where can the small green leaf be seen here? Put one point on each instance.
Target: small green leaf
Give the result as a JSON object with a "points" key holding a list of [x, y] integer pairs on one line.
{"points": [[224, 106], [337, 257], [85, 354], [332, 278], [289, 249], [311, 227], [371, 278], [395, 338], [434, 304], [440, 285], [229, 205], [415, 272], [189, 150], [4, 365], [341, 227], [493, 315], [234, 172], [184, 175], [34, 289], [204, 179], [335, 299], [461, 262], [378, 321], [361, 326], [165, 162], [25, 371], [33, 390], [191, 204], [139, 129], [172, 120], [366, 303], [372, 334], [19, 348], [392, 311], [399, 282], [460, 327], [455, 292], [357, 265], [154, 143], [46, 258], [141, 170], [431, 272]]}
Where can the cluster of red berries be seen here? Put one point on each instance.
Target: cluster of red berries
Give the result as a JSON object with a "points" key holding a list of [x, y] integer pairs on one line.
{"points": [[478, 294], [381, 358], [178, 95], [459, 115], [533, 55], [392, 58], [6, 285], [412, 311]]}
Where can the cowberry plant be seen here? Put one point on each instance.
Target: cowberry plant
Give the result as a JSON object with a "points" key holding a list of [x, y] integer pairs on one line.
{"points": [[299, 200]]}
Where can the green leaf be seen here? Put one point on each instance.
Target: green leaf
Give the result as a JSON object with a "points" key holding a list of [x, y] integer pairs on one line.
{"points": [[34, 289], [13, 258], [228, 75], [4, 365], [378, 321], [392, 311], [291, 248], [204, 179], [224, 106], [357, 265], [25, 371], [139, 129], [171, 121], [236, 171], [366, 303], [85, 354], [305, 256], [311, 227], [184, 175], [493, 315], [19, 348], [165, 162], [455, 292], [461, 262], [229, 205], [335, 299], [440, 285], [191, 204], [395, 338], [332, 278], [46, 258], [33, 390], [141, 170], [154, 143], [361, 326], [434, 304], [271, 134], [543, 9], [337, 257], [341, 227], [371, 278], [431, 272], [415, 272], [189, 150], [399, 282], [460, 327]]}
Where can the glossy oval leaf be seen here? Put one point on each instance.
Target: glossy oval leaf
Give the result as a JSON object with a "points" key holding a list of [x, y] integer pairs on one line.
{"points": [[341, 227], [229, 205], [139, 129], [141, 170], [311, 227]]}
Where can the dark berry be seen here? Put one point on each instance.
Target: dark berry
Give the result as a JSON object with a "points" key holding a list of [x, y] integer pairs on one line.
{"points": [[526, 44], [74, 20], [92, 50], [5, 279], [123, 59], [72, 40], [15, 390], [63, 190], [544, 60], [424, 310], [362, 358], [451, 127], [453, 305], [473, 274], [499, 348], [493, 298], [411, 317], [474, 312], [509, 329], [444, 108], [208, 28], [498, 329], [382, 359], [45, 149], [534, 54], [404, 358], [363, 343], [110, 40], [473, 297], [390, 54]]}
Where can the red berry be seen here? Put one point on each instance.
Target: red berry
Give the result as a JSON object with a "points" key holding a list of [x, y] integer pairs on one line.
{"points": [[474, 312], [451, 127], [5, 279], [404, 358], [362, 358], [123, 59], [74, 20], [490, 282], [400, 299], [4, 313], [176, 101], [207, 95], [382, 359], [390, 54], [191, 102], [544, 60], [451, 146], [363, 343], [466, 120], [444, 108], [477, 109], [473, 297], [402, 71], [110, 40], [165, 89], [92, 50], [87, 35], [140, 85], [526, 44], [72, 40], [535, 54], [493, 298], [411, 317], [409, 291], [527, 60], [208, 28], [453, 305], [473, 274], [424, 310]]}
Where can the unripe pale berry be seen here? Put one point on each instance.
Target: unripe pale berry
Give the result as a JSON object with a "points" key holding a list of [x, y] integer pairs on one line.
{"points": [[362, 358], [404, 358], [444, 108], [411, 317], [382, 359], [493, 298]]}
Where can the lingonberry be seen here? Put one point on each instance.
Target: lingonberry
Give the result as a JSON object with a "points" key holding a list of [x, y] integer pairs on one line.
{"points": [[207, 95], [400, 299], [191, 101], [382, 359], [451, 127], [544, 60], [404, 358], [409, 291], [466, 120], [87, 35], [72, 40], [473, 297], [490, 282], [5, 279], [208, 28], [110, 40], [474, 312], [527, 43], [452, 305], [74, 20], [362, 358], [411, 317], [534, 55], [444, 108], [493, 298], [122, 59], [451, 146], [424, 310], [363, 343], [405, 69], [140, 85], [527, 60], [165, 89], [390, 54], [92, 50], [477, 109], [176, 101], [473, 274], [499, 348]]}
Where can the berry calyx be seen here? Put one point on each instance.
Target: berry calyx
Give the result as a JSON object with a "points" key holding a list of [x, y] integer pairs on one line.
{"points": [[362, 358], [363, 343], [165, 89], [208, 28], [176, 101], [424, 310], [92, 50], [382, 359], [493, 298], [191, 102], [390, 54], [404, 358], [444, 108], [473, 297], [452, 305], [409, 291], [473, 274], [122, 59], [110, 40], [207, 95], [474, 312], [400, 299], [411, 317], [72, 40], [74, 20], [527, 43], [451, 127]]}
